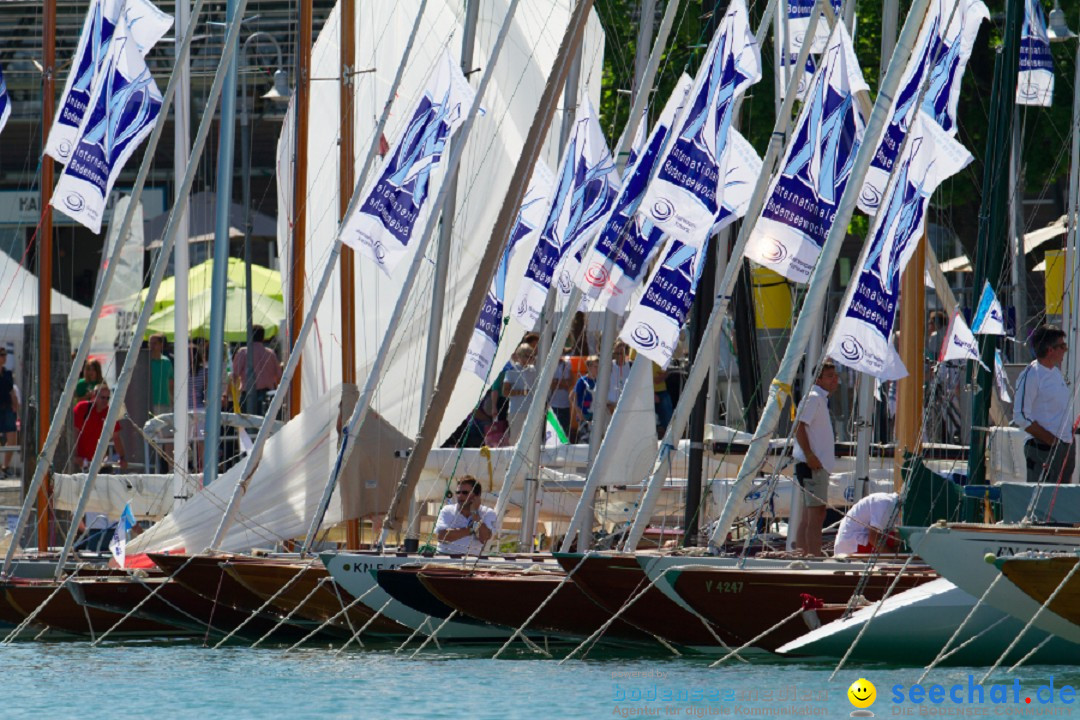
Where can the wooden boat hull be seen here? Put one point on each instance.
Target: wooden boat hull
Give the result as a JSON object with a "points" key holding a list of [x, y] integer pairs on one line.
{"points": [[1039, 578], [744, 603], [509, 599], [62, 615], [313, 596], [612, 580], [959, 553]]}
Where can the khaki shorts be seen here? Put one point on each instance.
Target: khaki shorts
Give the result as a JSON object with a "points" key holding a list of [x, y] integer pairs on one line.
{"points": [[815, 485]]}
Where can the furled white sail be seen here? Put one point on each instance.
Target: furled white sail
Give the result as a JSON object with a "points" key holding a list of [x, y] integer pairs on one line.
{"points": [[487, 164], [280, 500]]}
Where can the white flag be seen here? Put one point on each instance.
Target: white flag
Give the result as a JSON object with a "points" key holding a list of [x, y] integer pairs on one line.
{"points": [[1004, 389], [123, 109], [585, 190], [804, 195], [989, 318], [685, 198], [522, 241], [862, 338], [1035, 81], [146, 25], [943, 53], [118, 544], [959, 342], [382, 224], [789, 40]]}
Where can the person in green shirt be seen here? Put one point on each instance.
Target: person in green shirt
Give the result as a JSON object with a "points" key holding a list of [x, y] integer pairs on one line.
{"points": [[92, 377], [161, 377]]}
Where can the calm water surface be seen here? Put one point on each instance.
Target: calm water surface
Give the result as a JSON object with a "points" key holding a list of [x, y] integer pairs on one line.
{"points": [[135, 680]]}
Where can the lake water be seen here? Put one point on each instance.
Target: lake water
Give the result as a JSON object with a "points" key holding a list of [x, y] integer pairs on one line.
{"points": [[67, 680]]}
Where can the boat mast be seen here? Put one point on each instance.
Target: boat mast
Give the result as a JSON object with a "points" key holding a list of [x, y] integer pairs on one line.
{"points": [[181, 356], [817, 286], [459, 343], [298, 250], [45, 263], [346, 182], [993, 224], [292, 364], [226, 147]]}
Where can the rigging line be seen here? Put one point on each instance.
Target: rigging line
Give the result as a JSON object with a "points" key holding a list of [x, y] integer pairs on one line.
{"points": [[1034, 617], [1031, 652], [284, 619], [330, 620], [296, 576], [431, 637], [356, 635]]}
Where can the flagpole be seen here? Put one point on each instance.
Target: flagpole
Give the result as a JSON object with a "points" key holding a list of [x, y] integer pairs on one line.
{"points": [[992, 223], [818, 284], [298, 245]]}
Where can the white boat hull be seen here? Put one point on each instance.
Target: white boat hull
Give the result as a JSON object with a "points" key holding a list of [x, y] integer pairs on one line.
{"points": [[958, 554]]}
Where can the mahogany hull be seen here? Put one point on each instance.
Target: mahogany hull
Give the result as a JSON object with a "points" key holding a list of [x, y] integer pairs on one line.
{"points": [[509, 599], [610, 581], [313, 595], [744, 603], [1040, 577], [63, 614]]}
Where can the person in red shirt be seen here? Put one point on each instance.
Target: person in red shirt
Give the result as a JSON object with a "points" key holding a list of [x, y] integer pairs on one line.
{"points": [[89, 423]]}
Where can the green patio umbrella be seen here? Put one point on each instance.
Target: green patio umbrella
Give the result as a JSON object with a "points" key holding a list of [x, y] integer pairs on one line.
{"points": [[268, 312], [264, 282]]}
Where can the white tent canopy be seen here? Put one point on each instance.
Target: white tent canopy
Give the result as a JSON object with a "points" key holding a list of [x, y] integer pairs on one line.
{"points": [[19, 295], [1032, 240]]}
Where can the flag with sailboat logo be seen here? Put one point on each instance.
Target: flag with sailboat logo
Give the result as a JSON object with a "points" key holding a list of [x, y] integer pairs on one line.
{"points": [[383, 222], [942, 50], [488, 330], [989, 317], [654, 324], [790, 36], [862, 337], [118, 543], [5, 102], [1035, 81], [803, 198], [627, 241], [146, 25], [122, 112], [685, 198], [584, 193]]}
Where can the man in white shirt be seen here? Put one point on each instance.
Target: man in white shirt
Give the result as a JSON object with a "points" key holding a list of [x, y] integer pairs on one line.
{"points": [[620, 371], [815, 458], [1043, 409], [865, 524], [465, 526]]}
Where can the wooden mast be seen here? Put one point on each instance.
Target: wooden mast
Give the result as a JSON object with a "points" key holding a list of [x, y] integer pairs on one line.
{"points": [[909, 390], [299, 239], [346, 180], [44, 257]]}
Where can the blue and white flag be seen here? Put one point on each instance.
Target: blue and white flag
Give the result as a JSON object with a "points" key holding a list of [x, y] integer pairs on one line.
{"points": [[789, 43], [146, 24], [5, 102], [862, 338], [654, 324], [1035, 82], [686, 196], [1001, 378], [989, 317], [522, 241], [585, 190], [959, 342], [627, 242], [943, 53], [381, 225], [802, 200], [123, 109], [118, 544]]}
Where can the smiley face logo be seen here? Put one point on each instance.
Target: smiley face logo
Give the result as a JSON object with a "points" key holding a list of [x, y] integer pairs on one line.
{"points": [[862, 694]]}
